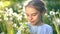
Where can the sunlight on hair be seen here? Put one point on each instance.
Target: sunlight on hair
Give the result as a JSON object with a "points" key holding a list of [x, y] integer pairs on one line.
{"points": [[25, 3]]}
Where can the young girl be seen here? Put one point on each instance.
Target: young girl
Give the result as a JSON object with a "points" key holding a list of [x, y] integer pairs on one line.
{"points": [[35, 10]]}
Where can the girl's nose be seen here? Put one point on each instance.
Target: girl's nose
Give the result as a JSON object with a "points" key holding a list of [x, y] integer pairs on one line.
{"points": [[30, 18]]}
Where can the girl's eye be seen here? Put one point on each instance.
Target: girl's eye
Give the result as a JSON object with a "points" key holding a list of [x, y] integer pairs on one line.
{"points": [[27, 14], [34, 14]]}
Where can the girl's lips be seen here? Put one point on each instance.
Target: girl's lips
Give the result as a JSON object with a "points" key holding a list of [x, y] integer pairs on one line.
{"points": [[31, 21]]}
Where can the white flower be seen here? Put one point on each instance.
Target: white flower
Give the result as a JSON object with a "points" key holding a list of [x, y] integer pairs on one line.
{"points": [[23, 9], [19, 10], [11, 18], [22, 12], [25, 15], [19, 6], [57, 12], [1, 3], [19, 32], [19, 17], [0, 19], [5, 14], [1, 11], [46, 14], [26, 23], [58, 20], [21, 27], [2, 33], [52, 13], [6, 9], [14, 25], [20, 23], [9, 11], [5, 18], [15, 14]]}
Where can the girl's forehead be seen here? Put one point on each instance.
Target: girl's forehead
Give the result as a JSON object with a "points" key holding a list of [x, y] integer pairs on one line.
{"points": [[31, 10]]}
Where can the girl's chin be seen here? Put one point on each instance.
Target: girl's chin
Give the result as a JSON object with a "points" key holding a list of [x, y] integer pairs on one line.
{"points": [[32, 23]]}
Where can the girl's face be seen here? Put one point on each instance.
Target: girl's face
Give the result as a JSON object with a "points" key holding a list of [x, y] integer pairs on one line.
{"points": [[33, 15]]}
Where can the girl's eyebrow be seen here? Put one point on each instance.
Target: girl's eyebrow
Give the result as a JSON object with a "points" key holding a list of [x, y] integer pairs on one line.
{"points": [[35, 13]]}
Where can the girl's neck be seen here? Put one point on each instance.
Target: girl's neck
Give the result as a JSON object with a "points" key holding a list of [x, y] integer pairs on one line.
{"points": [[38, 24]]}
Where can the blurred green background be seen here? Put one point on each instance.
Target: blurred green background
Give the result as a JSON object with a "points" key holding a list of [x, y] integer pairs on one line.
{"points": [[13, 19]]}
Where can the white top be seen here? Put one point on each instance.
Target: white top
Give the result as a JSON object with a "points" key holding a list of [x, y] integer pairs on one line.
{"points": [[43, 29]]}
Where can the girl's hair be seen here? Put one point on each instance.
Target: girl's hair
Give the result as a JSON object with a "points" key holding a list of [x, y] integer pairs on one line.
{"points": [[37, 4]]}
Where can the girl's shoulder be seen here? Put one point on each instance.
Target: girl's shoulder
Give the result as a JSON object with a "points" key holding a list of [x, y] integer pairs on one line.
{"points": [[47, 26]]}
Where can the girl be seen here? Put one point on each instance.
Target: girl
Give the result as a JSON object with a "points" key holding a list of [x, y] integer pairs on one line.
{"points": [[35, 10]]}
